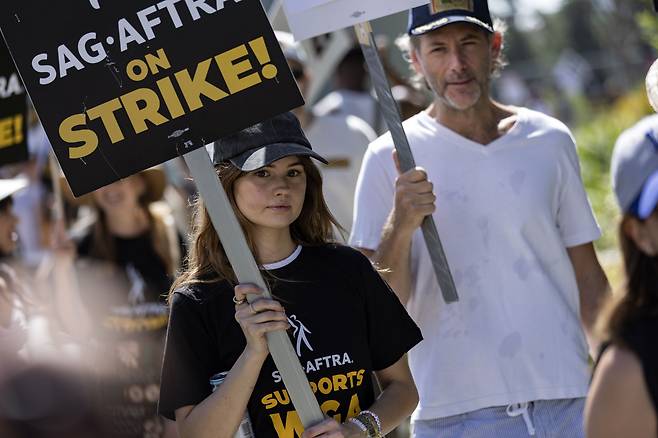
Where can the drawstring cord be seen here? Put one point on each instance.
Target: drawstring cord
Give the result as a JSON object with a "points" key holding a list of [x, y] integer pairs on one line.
{"points": [[516, 409]]}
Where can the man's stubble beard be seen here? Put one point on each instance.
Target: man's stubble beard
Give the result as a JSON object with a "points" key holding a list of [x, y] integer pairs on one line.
{"points": [[444, 99]]}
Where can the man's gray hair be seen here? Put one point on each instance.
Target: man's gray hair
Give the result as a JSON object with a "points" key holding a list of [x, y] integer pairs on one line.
{"points": [[408, 43]]}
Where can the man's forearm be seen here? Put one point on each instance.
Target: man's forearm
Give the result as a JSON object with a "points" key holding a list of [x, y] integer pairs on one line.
{"points": [[393, 257], [590, 307], [593, 287]]}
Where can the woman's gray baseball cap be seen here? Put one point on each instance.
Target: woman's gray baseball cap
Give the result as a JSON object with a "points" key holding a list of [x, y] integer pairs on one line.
{"points": [[263, 143], [634, 168]]}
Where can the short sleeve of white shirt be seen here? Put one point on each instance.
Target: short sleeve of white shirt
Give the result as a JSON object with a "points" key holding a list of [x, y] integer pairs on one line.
{"points": [[373, 198], [575, 220]]}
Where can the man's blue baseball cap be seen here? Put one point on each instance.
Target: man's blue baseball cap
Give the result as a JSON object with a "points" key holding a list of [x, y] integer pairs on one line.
{"points": [[634, 168], [439, 13]]}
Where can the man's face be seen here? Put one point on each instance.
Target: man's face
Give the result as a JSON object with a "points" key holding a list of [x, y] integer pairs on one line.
{"points": [[456, 61]]}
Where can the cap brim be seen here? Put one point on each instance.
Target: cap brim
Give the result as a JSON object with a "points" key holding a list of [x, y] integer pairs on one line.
{"points": [[9, 187], [435, 24], [260, 157], [648, 197]]}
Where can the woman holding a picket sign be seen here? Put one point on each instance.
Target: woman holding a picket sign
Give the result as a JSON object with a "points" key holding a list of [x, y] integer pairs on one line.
{"points": [[343, 319]]}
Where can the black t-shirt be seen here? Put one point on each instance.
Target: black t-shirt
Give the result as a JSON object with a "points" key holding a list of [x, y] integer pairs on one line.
{"points": [[139, 254], [345, 323], [641, 338]]}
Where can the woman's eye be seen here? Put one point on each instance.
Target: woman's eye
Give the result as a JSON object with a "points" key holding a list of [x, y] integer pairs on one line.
{"points": [[261, 173], [294, 172]]}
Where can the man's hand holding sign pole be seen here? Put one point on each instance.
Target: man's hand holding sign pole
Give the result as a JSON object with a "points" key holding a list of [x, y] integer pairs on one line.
{"points": [[338, 12], [405, 157], [130, 94]]}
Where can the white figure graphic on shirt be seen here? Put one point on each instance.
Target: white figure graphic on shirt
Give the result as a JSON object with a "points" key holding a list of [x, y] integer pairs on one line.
{"points": [[94, 4], [299, 333], [137, 286]]}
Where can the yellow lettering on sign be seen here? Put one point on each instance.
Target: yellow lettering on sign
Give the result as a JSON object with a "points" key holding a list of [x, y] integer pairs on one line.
{"points": [[139, 115], [170, 97], [88, 137], [105, 112], [234, 68], [157, 61], [194, 88], [11, 131]]}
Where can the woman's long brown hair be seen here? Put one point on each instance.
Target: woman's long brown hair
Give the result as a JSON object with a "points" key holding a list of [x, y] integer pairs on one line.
{"points": [[103, 241], [206, 259], [640, 298]]}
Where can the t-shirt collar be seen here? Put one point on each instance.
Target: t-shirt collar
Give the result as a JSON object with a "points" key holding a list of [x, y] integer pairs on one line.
{"points": [[285, 262]]}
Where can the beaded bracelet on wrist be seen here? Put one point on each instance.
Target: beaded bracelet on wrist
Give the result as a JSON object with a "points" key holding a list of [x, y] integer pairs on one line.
{"points": [[374, 417], [372, 423], [358, 423]]}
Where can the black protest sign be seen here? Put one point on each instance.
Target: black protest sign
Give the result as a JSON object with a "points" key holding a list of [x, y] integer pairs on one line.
{"points": [[121, 86], [13, 111]]}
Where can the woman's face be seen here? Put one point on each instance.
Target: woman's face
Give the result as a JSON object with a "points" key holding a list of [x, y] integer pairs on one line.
{"points": [[8, 234], [272, 197], [120, 196]]}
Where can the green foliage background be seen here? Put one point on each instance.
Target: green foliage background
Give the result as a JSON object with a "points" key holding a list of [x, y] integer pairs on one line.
{"points": [[596, 130]]}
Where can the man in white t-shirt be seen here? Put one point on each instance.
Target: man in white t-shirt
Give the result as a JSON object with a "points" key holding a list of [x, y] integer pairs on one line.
{"points": [[510, 358]]}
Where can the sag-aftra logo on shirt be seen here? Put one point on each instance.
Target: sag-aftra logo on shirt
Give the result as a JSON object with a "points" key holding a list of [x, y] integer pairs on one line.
{"points": [[336, 391]]}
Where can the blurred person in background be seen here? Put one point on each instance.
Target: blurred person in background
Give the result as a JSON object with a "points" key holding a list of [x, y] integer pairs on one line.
{"points": [[8, 219], [14, 299], [31, 205], [337, 135], [510, 357], [351, 94], [623, 398], [128, 258], [15, 306]]}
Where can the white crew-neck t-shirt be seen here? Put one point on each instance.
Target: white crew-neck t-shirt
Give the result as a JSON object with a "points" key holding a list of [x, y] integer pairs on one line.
{"points": [[506, 212]]}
